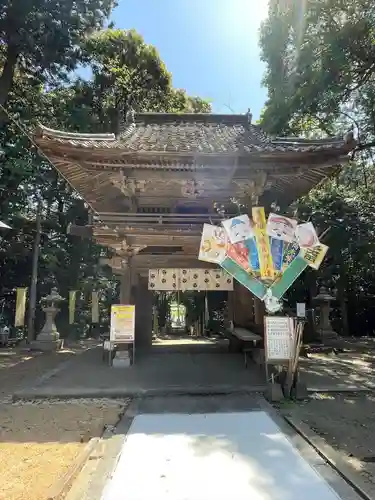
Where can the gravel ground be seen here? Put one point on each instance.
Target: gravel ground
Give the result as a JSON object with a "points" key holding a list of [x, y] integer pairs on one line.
{"points": [[39, 441], [347, 423], [20, 368]]}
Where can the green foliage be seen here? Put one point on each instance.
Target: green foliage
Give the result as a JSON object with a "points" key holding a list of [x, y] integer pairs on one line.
{"points": [[126, 73], [43, 37], [320, 59]]}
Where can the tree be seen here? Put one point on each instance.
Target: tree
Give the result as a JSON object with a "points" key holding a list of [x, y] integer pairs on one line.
{"points": [[42, 37], [180, 102], [127, 74], [320, 60], [346, 210]]}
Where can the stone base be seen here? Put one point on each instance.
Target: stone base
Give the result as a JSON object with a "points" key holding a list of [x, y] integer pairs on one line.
{"points": [[47, 345], [274, 393], [121, 360], [300, 392], [327, 336], [336, 343]]}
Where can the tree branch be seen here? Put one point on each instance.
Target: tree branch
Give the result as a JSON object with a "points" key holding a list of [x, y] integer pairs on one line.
{"points": [[367, 145]]}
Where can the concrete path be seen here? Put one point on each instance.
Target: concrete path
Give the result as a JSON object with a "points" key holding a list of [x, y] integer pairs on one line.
{"points": [[212, 455], [207, 447]]}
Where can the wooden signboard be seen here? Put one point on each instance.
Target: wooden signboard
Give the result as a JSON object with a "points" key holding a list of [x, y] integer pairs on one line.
{"points": [[122, 324], [278, 334]]}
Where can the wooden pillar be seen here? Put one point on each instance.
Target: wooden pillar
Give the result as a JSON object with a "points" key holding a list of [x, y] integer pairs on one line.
{"points": [[258, 311], [125, 281], [143, 314], [243, 313], [229, 320]]}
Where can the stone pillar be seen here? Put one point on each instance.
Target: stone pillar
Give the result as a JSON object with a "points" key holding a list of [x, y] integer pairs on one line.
{"points": [[325, 330], [49, 338], [143, 315]]}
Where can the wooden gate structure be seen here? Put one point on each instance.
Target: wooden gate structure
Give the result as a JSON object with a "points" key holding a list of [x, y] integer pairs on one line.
{"points": [[151, 187]]}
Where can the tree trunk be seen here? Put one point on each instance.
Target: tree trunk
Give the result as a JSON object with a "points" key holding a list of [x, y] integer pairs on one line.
{"points": [[7, 75], [34, 277], [341, 295]]}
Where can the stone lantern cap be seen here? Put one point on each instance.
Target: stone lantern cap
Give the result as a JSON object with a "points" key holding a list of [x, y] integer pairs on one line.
{"points": [[323, 296], [53, 298]]}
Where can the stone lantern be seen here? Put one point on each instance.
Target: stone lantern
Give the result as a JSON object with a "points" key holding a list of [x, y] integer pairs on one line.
{"points": [[324, 328], [49, 338]]}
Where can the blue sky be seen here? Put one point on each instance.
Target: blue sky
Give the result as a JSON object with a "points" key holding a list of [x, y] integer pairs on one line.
{"points": [[209, 46]]}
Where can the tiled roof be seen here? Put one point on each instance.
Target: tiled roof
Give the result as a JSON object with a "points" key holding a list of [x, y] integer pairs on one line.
{"points": [[191, 134]]}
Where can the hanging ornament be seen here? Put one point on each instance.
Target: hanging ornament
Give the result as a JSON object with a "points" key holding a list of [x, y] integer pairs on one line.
{"points": [[273, 305]]}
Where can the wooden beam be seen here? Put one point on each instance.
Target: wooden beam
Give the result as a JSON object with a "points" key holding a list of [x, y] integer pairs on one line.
{"points": [[81, 231]]}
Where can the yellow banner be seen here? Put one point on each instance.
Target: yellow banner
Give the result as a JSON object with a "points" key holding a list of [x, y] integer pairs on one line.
{"points": [[72, 306], [19, 320], [263, 244], [95, 307], [314, 256], [259, 217]]}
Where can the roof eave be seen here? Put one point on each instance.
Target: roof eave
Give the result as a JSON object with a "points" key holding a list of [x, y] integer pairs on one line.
{"points": [[66, 148]]}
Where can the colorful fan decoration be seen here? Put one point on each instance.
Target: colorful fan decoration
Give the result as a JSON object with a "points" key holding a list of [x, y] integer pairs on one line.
{"points": [[264, 255]]}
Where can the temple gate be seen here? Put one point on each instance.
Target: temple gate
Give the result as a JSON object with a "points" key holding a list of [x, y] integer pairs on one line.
{"points": [[151, 187]]}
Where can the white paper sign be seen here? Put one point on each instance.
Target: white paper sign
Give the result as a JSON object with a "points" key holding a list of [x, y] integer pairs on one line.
{"points": [[189, 279], [281, 227], [306, 235], [213, 245], [215, 279], [238, 228], [163, 279], [279, 332]]}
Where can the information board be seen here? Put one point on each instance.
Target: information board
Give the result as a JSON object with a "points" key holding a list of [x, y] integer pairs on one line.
{"points": [[122, 324], [301, 310], [279, 333]]}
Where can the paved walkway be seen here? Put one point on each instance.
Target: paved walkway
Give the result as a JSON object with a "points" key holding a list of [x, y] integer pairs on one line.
{"points": [[198, 367], [159, 372], [20, 368], [235, 433]]}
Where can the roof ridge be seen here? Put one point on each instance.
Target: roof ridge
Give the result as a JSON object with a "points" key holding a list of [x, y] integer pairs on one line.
{"points": [[60, 134], [191, 117]]}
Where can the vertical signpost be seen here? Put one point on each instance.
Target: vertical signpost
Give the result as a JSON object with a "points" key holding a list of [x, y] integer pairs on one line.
{"points": [[283, 340], [278, 349], [122, 331], [278, 334]]}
